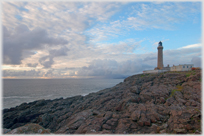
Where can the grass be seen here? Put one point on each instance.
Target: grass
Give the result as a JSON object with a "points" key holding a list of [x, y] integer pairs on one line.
{"points": [[188, 74]]}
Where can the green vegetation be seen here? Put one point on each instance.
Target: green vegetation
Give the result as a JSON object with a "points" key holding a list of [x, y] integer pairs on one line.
{"points": [[194, 131], [188, 74], [192, 72], [142, 75]]}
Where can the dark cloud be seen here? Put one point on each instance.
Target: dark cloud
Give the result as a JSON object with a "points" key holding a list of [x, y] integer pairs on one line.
{"points": [[59, 52], [32, 64], [24, 39], [47, 61]]}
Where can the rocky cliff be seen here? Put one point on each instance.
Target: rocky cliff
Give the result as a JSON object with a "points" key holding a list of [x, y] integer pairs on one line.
{"points": [[143, 104]]}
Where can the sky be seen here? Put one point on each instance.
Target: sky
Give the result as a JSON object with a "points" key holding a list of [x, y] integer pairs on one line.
{"points": [[48, 39]]}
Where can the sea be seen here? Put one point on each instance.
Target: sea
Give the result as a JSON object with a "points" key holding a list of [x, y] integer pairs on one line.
{"points": [[18, 91]]}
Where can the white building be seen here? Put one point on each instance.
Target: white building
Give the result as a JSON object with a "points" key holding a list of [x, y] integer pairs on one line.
{"points": [[184, 67]]}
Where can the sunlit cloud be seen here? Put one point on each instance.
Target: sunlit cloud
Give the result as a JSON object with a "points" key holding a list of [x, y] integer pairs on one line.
{"points": [[192, 46]]}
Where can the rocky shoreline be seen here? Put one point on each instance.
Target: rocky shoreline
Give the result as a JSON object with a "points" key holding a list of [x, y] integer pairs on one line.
{"points": [[168, 102]]}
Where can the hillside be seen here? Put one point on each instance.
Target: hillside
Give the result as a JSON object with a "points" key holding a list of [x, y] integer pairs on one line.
{"points": [[168, 102]]}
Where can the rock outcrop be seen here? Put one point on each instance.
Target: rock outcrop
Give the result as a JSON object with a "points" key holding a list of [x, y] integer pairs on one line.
{"points": [[168, 102], [28, 129]]}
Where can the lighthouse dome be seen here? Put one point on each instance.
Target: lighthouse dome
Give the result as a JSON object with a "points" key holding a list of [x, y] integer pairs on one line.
{"points": [[160, 43]]}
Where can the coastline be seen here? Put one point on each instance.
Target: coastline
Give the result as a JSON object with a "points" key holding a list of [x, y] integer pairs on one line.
{"points": [[16, 92], [143, 104]]}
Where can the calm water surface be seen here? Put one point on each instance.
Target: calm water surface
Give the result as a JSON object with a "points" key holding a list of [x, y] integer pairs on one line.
{"points": [[17, 91]]}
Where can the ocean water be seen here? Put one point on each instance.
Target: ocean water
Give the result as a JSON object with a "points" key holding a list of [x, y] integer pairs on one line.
{"points": [[17, 91]]}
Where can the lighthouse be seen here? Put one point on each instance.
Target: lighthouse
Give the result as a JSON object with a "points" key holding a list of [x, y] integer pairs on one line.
{"points": [[160, 56], [160, 67]]}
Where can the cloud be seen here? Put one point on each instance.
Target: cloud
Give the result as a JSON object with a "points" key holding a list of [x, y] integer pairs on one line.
{"points": [[100, 10], [32, 73], [119, 48], [29, 73], [32, 64], [136, 63], [196, 61], [47, 61], [145, 16], [112, 69], [112, 65], [160, 16], [64, 16], [49, 73], [181, 55], [149, 58], [183, 51], [192, 46], [24, 39], [59, 52], [96, 46]]}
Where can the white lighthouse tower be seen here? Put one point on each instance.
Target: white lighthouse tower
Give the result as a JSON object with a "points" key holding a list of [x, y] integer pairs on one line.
{"points": [[160, 56]]}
